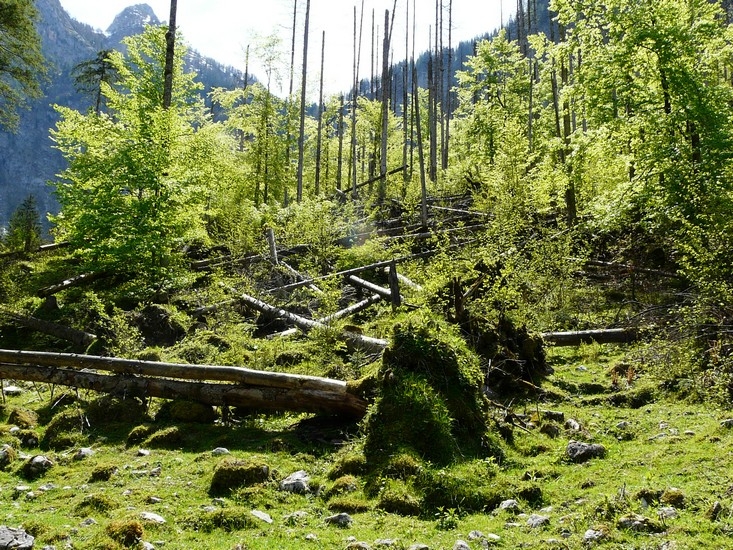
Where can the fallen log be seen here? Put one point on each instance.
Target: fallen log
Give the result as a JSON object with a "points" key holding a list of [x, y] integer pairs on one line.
{"points": [[355, 270], [359, 341], [68, 334], [601, 336], [220, 373], [291, 399], [351, 310], [71, 282], [371, 287]]}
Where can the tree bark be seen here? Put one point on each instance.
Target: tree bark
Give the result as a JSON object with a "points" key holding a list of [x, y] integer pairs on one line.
{"points": [[170, 40], [269, 398]]}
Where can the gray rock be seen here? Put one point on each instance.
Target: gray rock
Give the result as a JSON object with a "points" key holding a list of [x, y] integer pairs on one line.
{"points": [[636, 522], [572, 424], [12, 390], [311, 537], [509, 504], [7, 455], [579, 452], [148, 546], [262, 515], [385, 542], [461, 545], [220, 451], [592, 535], [151, 517], [358, 545], [535, 520], [727, 423], [341, 520], [143, 452], [89, 522], [84, 452], [476, 535], [667, 512], [15, 539], [297, 482], [419, 546]]}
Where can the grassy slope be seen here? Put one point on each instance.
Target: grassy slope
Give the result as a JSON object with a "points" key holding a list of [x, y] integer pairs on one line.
{"points": [[666, 445]]}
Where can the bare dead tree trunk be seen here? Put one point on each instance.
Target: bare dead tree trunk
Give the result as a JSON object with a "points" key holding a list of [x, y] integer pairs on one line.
{"points": [[289, 101], [420, 154], [448, 85], [320, 119], [382, 188], [357, 56], [170, 50], [303, 87], [405, 99], [340, 160]]}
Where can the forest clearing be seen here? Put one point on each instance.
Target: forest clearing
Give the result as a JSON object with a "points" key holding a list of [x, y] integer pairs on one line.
{"points": [[492, 312]]}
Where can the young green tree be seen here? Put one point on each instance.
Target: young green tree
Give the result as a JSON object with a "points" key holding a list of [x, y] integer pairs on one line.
{"points": [[21, 60], [24, 230], [139, 176]]}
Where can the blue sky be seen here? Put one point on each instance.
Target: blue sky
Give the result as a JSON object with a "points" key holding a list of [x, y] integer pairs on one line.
{"points": [[222, 29]]}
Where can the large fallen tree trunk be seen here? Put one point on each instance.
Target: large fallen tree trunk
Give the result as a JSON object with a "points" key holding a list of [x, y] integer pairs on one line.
{"points": [[68, 334], [601, 336], [238, 375], [306, 400]]}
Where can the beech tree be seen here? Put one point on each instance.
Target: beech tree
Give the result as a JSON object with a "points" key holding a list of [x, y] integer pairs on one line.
{"points": [[139, 175]]}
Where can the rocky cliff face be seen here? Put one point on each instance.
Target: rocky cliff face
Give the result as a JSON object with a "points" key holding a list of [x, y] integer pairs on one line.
{"points": [[27, 158]]}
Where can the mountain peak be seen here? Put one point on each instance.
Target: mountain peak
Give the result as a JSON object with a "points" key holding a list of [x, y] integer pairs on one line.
{"points": [[132, 20]]}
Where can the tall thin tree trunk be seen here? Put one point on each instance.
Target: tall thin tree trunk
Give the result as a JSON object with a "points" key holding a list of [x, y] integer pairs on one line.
{"points": [[420, 154], [170, 53], [320, 119], [340, 160], [303, 87], [289, 100], [382, 188], [357, 58], [405, 99], [448, 85]]}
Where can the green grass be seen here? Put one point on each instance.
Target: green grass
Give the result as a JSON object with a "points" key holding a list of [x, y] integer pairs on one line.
{"points": [[665, 444]]}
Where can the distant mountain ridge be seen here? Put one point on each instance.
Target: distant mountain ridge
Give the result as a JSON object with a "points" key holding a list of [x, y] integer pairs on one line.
{"points": [[27, 158]]}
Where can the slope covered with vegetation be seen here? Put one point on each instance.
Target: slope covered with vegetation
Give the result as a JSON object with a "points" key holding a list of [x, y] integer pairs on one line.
{"points": [[569, 185]]}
